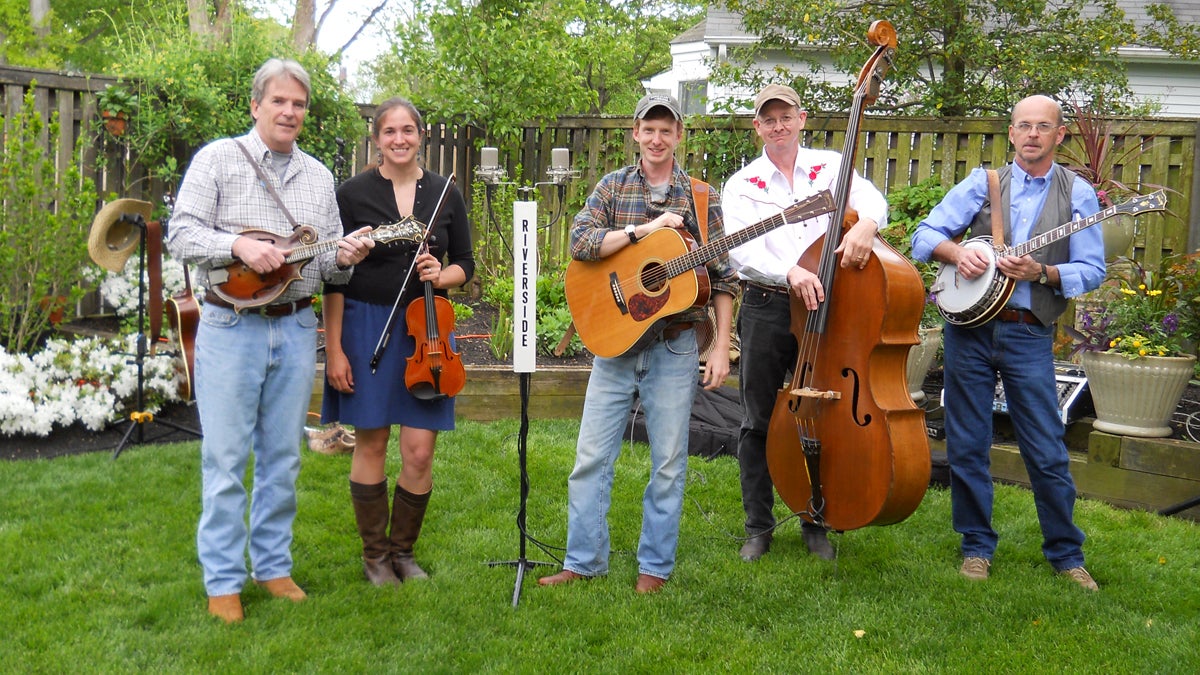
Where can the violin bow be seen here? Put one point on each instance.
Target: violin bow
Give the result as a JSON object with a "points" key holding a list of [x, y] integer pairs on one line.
{"points": [[386, 335]]}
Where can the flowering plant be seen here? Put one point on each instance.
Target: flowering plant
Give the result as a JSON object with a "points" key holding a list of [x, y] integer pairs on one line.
{"points": [[1142, 312]]}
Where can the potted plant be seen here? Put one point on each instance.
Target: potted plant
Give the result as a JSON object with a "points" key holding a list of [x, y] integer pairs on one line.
{"points": [[1133, 335], [907, 206], [116, 104], [1094, 152]]}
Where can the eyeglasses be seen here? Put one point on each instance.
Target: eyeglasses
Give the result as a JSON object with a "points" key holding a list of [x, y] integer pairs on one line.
{"points": [[1042, 127], [771, 122]]}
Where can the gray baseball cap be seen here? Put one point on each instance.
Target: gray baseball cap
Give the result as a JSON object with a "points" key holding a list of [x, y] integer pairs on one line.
{"points": [[651, 101]]}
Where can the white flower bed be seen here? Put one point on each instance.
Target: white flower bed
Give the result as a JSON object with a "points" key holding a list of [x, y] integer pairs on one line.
{"points": [[91, 381]]}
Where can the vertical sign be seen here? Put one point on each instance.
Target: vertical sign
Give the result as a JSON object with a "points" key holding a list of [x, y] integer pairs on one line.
{"points": [[525, 274]]}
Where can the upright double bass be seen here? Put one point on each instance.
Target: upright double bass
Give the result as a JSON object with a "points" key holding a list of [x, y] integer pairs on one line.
{"points": [[846, 446]]}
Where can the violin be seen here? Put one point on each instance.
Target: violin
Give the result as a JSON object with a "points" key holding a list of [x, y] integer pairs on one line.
{"points": [[434, 371], [846, 446]]}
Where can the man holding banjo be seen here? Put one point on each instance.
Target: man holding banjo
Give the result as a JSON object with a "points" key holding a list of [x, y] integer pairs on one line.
{"points": [[1035, 195]]}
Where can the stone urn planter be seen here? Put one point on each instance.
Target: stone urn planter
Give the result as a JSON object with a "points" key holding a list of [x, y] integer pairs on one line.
{"points": [[1119, 231], [1136, 397], [920, 359]]}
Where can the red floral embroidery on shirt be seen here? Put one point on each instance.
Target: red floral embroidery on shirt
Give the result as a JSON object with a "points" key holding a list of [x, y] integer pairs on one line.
{"points": [[758, 182], [812, 173]]}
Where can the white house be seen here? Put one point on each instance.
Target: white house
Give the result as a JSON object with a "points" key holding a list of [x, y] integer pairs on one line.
{"points": [[1154, 75]]}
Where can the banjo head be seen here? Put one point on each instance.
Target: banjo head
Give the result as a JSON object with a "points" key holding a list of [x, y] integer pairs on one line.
{"points": [[958, 295]]}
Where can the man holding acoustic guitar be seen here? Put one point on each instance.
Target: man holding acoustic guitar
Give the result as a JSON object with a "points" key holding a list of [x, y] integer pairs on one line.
{"points": [[1020, 201], [628, 206], [240, 205]]}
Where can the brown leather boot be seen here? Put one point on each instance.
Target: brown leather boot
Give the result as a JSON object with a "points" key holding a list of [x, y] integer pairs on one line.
{"points": [[371, 514], [408, 512]]}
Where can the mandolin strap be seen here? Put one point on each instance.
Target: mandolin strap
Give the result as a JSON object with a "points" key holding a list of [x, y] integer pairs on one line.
{"points": [[262, 176]]}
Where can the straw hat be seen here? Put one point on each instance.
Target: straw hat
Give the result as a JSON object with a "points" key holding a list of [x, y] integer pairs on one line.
{"points": [[112, 240]]}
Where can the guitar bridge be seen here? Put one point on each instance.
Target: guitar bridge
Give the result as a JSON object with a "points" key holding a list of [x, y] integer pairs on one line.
{"points": [[614, 285]]}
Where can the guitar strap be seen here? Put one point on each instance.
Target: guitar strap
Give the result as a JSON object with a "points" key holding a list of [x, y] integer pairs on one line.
{"points": [[262, 176], [706, 331], [154, 242], [994, 199], [700, 202]]}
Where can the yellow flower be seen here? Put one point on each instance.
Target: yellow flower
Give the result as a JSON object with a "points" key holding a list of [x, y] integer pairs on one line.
{"points": [[1142, 287], [1141, 352], [1113, 343], [1153, 293], [1128, 291], [1137, 343]]}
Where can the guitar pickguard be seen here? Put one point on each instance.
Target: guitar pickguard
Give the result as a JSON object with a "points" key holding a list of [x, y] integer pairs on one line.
{"points": [[643, 306]]}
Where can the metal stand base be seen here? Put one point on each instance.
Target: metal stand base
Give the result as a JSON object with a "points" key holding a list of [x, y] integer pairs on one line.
{"points": [[522, 563]]}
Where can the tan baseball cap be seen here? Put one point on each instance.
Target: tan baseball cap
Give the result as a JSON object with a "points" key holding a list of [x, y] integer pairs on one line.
{"points": [[776, 91], [652, 101]]}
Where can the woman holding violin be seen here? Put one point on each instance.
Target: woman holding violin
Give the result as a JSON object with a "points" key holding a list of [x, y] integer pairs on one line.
{"points": [[370, 395]]}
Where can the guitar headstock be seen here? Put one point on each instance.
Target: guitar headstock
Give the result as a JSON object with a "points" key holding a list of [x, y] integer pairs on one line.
{"points": [[811, 207], [1155, 201], [406, 229]]}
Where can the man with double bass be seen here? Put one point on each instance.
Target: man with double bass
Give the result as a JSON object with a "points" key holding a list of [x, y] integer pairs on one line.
{"points": [[767, 266], [1035, 195]]}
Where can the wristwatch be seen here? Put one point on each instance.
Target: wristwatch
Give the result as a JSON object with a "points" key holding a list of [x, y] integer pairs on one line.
{"points": [[631, 233], [1043, 280]]}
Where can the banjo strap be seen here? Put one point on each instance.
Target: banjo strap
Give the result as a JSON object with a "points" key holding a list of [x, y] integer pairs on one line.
{"points": [[997, 216]]}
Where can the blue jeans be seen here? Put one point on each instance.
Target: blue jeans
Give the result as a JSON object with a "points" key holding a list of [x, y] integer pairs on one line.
{"points": [[254, 380], [664, 376], [1023, 356]]}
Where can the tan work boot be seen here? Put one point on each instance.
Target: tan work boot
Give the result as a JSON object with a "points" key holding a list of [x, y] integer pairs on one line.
{"points": [[283, 587], [1081, 577], [975, 568], [227, 608]]}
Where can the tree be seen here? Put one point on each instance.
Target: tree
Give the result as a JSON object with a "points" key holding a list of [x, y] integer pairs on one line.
{"points": [[955, 57], [499, 63]]}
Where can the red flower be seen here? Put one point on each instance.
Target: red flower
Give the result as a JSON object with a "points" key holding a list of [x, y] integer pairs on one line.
{"points": [[812, 173], [758, 182]]}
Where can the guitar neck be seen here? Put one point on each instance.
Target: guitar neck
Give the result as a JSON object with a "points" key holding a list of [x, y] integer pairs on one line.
{"points": [[819, 204]]}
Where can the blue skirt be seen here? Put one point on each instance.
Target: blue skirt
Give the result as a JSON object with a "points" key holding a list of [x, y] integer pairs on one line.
{"points": [[380, 399]]}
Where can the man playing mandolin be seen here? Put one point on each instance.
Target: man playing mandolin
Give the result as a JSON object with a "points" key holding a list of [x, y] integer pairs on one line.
{"points": [[626, 206], [255, 367], [1035, 195]]}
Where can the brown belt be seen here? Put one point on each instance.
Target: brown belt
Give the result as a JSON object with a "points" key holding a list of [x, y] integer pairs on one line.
{"points": [[676, 329], [281, 309], [763, 287], [1018, 316]]}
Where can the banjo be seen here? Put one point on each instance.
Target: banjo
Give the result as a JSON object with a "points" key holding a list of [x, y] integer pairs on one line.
{"points": [[971, 302]]}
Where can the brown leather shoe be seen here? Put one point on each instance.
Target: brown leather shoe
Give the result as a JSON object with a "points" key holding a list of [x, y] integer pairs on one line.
{"points": [[649, 584], [227, 608], [563, 577], [283, 587]]}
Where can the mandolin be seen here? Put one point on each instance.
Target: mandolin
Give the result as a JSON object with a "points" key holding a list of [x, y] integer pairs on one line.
{"points": [[242, 287]]}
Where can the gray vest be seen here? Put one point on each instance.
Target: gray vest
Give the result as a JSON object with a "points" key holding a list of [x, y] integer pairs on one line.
{"points": [[1047, 305]]}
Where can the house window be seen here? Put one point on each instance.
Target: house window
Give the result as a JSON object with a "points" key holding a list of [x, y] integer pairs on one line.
{"points": [[693, 97]]}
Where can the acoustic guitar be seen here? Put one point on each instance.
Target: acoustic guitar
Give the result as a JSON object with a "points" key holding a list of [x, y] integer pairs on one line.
{"points": [[973, 302], [242, 287], [183, 315], [620, 302]]}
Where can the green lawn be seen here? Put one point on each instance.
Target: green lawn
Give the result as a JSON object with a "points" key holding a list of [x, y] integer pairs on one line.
{"points": [[100, 575]]}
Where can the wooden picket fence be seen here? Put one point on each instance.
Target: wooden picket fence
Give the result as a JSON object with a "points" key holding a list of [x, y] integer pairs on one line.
{"points": [[893, 151]]}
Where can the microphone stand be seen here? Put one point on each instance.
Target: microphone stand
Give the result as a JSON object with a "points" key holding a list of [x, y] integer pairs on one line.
{"points": [[140, 417]]}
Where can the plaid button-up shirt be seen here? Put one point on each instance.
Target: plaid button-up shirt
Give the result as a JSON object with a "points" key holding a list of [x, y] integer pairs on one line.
{"points": [[623, 198], [221, 197]]}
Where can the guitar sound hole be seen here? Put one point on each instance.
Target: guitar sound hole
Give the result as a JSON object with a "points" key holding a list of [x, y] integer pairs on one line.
{"points": [[653, 278]]}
